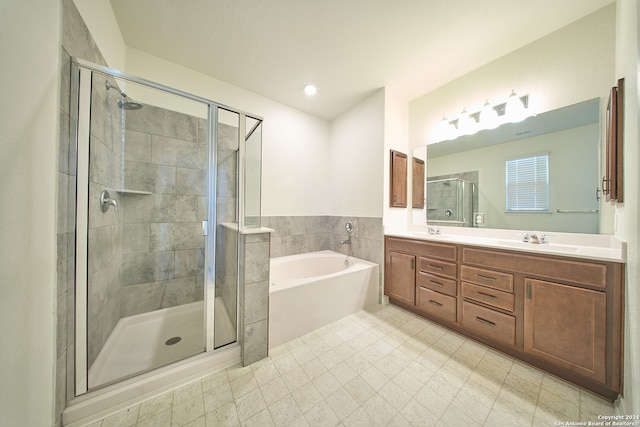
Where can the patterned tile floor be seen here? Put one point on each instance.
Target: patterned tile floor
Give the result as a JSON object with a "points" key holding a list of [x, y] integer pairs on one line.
{"points": [[379, 367]]}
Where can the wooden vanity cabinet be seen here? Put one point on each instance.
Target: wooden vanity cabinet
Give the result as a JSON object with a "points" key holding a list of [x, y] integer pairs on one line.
{"points": [[561, 314], [422, 275], [566, 326], [401, 277], [488, 304]]}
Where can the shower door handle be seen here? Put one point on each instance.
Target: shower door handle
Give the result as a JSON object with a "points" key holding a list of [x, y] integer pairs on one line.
{"points": [[205, 228]]}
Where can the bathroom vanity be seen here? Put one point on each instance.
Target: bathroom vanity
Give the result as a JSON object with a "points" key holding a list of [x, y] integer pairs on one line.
{"points": [[558, 307]]}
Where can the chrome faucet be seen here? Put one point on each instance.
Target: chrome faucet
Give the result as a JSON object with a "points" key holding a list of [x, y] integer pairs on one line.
{"points": [[349, 227], [536, 239], [434, 230], [106, 201]]}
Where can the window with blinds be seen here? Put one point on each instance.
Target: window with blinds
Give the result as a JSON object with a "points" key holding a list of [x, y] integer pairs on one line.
{"points": [[528, 184]]}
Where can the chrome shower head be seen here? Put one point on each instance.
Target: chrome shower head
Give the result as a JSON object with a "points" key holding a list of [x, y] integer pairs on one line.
{"points": [[129, 104], [125, 103]]}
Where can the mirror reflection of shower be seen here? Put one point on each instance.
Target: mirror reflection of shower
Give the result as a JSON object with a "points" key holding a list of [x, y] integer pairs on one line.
{"points": [[451, 200]]}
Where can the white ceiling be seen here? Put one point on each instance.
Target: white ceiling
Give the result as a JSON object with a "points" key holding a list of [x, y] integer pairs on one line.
{"points": [[347, 48]]}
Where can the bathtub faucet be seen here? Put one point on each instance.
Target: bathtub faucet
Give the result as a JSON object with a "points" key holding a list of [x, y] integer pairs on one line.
{"points": [[349, 227]]}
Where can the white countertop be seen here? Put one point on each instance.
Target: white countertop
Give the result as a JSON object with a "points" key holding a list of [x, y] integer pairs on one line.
{"points": [[586, 246]]}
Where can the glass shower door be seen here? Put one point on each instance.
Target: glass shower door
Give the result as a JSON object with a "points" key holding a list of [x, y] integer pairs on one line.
{"points": [[148, 203]]}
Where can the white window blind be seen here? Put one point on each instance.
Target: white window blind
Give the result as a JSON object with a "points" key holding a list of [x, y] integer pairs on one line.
{"points": [[528, 183]]}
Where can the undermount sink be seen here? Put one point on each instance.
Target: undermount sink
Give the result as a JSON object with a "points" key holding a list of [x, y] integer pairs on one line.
{"points": [[538, 246]]}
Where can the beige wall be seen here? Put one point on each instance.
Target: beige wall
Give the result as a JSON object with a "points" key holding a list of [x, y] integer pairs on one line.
{"points": [[99, 17], [356, 154], [396, 137], [573, 64], [28, 160], [627, 213], [570, 65]]}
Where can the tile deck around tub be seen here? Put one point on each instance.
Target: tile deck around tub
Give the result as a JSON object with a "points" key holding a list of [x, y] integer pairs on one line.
{"points": [[378, 367]]}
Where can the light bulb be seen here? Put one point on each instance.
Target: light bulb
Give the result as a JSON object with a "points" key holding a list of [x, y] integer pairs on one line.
{"points": [[466, 125], [515, 109], [443, 131], [310, 90], [488, 117]]}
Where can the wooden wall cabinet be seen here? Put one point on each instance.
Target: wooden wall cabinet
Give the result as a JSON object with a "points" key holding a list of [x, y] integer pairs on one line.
{"points": [[417, 183], [561, 314], [398, 177], [612, 182]]}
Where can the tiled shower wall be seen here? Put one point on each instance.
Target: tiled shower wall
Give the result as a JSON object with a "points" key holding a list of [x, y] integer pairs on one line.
{"points": [[300, 234], [164, 204], [76, 41], [105, 228]]}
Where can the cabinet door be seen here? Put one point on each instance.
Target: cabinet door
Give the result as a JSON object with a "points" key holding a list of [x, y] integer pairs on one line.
{"points": [[401, 275], [398, 195], [566, 326], [417, 184]]}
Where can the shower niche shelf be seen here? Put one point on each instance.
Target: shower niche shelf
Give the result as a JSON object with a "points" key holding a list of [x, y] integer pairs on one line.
{"points": [[139, 192]]}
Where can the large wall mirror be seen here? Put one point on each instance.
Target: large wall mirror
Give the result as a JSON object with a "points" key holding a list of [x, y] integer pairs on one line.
{"points": [[540, 174]]}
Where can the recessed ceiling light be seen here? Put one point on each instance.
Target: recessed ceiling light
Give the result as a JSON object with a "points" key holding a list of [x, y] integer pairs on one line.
{"points": [[310, 90]]}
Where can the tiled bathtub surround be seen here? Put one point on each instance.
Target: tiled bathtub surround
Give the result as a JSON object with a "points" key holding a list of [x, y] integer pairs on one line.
{"points": [[300, 234]]}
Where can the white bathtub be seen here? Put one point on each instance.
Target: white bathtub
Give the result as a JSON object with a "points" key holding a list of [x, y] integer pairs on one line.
{"points": [[311, 290]]}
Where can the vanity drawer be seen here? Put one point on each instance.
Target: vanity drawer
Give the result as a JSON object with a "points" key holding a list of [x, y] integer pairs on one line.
{"points": [[437, 304], [438, 284], [496, 326], [422, 248], [441, 268], [492, 279], [489, 296]]}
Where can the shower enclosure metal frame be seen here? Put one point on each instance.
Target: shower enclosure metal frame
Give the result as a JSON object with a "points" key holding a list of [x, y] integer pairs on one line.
{"points": [[81, 84]]}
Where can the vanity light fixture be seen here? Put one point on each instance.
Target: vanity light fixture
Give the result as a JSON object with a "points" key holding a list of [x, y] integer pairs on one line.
{"points": [[490, 116], [310, 90]]}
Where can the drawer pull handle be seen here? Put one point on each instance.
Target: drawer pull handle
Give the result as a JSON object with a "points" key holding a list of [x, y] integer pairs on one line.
{"points": [[436, 283], [487, 295], [434, 267], [480, 276], [436, 303], [485, 321]]}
